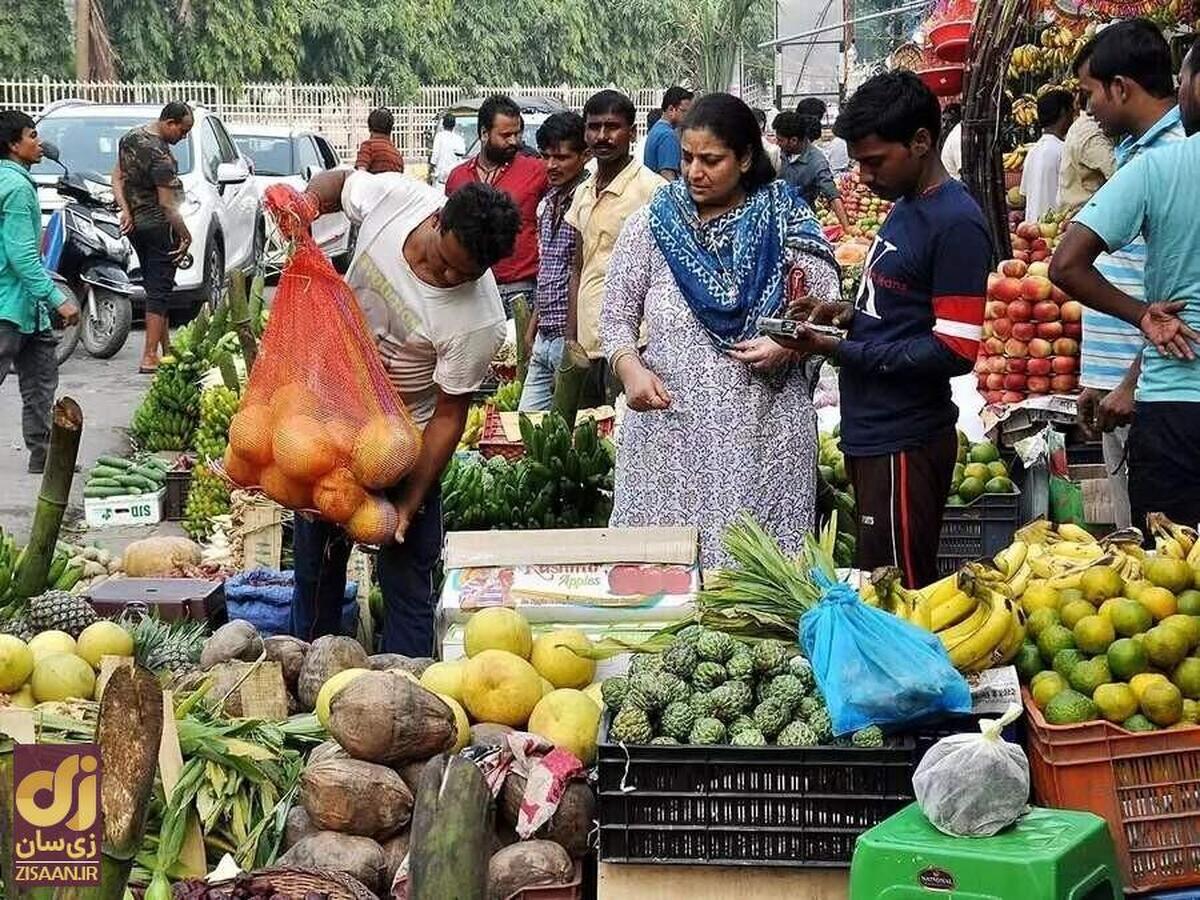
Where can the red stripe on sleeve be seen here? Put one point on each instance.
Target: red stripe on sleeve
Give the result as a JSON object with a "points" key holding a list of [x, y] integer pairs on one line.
{"points": [[959, 308], [964, 347]]}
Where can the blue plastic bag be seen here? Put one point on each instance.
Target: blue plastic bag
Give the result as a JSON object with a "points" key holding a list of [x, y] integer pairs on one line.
{"points": [[876, 669], [263, 597]]}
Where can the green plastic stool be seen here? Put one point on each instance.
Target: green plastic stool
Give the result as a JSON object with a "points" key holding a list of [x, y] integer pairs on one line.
{"points": [[1050, 854]]}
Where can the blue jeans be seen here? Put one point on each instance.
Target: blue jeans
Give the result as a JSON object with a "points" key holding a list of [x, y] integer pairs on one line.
{"points": [[538, 392], [405, 573]]}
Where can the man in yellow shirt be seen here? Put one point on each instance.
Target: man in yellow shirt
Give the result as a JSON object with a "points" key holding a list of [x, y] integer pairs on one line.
{"points": [[620, 187], [1087, 160]]}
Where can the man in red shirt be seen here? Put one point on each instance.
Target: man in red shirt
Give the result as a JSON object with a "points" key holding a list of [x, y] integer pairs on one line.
{"points": [[501, 164], [377, 153]]}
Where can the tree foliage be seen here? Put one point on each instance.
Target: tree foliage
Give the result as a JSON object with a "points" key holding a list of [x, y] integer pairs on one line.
{"points": [[400, 44]]}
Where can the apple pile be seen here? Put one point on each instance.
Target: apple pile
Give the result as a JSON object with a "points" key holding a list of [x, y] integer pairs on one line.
{"points": [[1031, 334], [1033, 242]]}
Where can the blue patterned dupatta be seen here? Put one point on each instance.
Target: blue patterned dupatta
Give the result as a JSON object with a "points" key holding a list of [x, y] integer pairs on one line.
{"points": [[733, 269]]}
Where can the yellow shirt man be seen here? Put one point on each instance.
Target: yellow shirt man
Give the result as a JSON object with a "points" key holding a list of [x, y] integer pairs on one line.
{"points": [[1087, 162], [599, 219]]}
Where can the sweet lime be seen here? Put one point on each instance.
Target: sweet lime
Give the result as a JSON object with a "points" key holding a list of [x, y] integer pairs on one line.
{"points": [[1066, 595], [1189, 625], [1140, 682], [970, 489], [1133, 589], [997, 469], [1116, 702], [1089, 675], [984, 452], [1191, 712], [1165, 646], [1039, 595], [1186, 677], [1028, 661], [1099, 583], [1053, 639], [1070, 708], [1138, 722], [1159, 601], [1162, 703], [1039, 620], [1127, 658], [1044, 688], [1189, 602], [1073, 612], [1066, 660], [1107, 607], [1093, 634], [1130, 618]]}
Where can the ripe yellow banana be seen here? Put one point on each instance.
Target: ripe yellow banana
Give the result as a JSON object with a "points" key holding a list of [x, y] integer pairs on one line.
{"points": [[955, 634], [1169, 547], [941, 591], [921, 612], [1069, 580], [1043, 566], [1076, 551], [1076, 534], [1019, 580], [1006, 650], [989, 636], [953, 611], [1193, 557], [1012, 557]]}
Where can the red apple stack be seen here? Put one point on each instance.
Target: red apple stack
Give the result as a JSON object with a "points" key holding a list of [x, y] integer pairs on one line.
{"points": [[1031, 329]]}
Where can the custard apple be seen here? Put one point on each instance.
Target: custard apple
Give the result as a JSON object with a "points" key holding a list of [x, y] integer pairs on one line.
{"points": [[708, 675], [748, 737], [730, 699], [702, 703], [613, 690], [740, 723], [870, 736], [770, 716], [664, 739], [740, 665], [677, 721], [797, 734], [673, 688], [771, 657], [716, 646], [646, 692], [788, 689], [802, 669], [645, 662], [631, 726], [689, 635], [808, 706], [821, 724], [680, 659], [707, 731]]}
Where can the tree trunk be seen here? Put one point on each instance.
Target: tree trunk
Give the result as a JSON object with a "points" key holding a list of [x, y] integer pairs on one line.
{"points": [[569, 381], [52, 499]]}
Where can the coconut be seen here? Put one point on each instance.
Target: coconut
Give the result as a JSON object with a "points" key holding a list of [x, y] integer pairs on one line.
{"points": [[337, 496], [355, 797], [237, 639], [411, 773], [327, 750], [250, 434], [297, 827], [489, 734], [417, 665], [571, 822], [326, 657], [289, 652], [374, 522], [239, 469], [385, 450], [395, 849], [285, 491], [153, 557], [359, 857], [528, 864], [386, 718]]}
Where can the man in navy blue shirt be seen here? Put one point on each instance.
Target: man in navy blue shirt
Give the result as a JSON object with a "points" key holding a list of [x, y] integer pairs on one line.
{"points": [[915, 324], [662, 142]]}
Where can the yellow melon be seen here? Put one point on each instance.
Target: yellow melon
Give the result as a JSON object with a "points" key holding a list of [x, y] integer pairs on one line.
{"points": [[239, 469], [250, 434], [302, 448], [293, 399], [285, 491], [374, 522], [385, 450], [337, 495]]}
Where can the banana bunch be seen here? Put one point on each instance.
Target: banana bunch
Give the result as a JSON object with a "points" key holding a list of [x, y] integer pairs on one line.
{"points": [[1014, 160], [474, 427], [886, 592], [1125, 546], [1057, 36], [1172, 540], [993, 630], [1024, 111]]}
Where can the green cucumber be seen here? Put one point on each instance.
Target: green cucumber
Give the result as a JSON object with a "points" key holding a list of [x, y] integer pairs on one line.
{"points": [[139, 481], [104, 482], [154, 474], [97, 492], [114, 462], [107, 472]]}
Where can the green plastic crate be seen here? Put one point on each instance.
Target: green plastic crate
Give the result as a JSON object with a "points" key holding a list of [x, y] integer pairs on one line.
{"points": [[1050, 854]]}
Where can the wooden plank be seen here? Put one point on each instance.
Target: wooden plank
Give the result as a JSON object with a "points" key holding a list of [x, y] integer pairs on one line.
{"points": [[647, 882], [170, 767]]}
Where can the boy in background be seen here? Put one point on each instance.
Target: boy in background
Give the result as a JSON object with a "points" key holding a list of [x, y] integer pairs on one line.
{"points": [[377, 153]]}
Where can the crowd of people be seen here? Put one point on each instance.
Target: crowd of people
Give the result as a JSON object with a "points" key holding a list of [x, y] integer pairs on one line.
{"points": [[662, 267]]}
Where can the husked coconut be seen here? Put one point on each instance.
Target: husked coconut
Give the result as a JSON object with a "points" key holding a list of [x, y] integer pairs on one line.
{"points": [[359, 857], [527, 864], [297, 827], [489, 734], [327, 750], [355, 797], [387, 718], [233, 640], [571, 822], [289, 652], [395, 849], [326, 657]]}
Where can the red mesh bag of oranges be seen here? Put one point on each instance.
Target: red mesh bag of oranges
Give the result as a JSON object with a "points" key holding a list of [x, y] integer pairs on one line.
{"points": [[320, 426]]}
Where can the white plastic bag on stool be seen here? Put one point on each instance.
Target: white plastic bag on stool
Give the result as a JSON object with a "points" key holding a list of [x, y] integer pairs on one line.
{"points": [[973, 785]]}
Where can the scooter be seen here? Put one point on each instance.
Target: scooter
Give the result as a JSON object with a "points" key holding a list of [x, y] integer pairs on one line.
{"points": [[82, 244]]}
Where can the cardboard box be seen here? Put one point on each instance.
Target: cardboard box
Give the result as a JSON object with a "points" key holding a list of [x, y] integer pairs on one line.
{"points": [[647, 882], [261, 531], [132, 509], [597, 575], [1097, 495]]}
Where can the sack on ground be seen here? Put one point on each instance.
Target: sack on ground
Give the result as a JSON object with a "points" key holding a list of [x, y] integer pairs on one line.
{"points": [[975, 784], [876, 669]]}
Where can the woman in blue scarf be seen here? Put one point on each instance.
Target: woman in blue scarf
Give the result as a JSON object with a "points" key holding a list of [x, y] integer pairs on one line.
{"points": [[721, 420]]}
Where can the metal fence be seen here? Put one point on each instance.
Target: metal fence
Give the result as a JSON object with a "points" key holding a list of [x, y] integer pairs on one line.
{"points": [[338, 112]]}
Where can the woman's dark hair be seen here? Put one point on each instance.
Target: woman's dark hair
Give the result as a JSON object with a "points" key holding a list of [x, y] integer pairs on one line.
{"points": [[1136, 50], [13, 123], [732, 122], [380, 121], [651, 117], [484, 220], [610, 101], [894, 106], [562, 128], [497, 105]]}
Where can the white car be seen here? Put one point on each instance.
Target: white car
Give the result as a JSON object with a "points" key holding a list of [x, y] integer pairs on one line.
{"points": [[284, 155], [220, 205]]}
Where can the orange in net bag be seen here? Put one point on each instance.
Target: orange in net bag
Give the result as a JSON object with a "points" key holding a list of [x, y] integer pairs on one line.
{"points": [[320, 426]]}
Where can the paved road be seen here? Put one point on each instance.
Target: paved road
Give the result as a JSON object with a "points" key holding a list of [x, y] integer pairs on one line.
{"points": [[108, 390]]}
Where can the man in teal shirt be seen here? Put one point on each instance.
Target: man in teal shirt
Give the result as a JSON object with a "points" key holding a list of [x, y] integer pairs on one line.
{"points": [[1155, 196], [28, 296]]}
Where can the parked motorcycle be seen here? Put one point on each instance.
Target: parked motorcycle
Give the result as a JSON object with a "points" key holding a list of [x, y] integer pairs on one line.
{"points": [[82, 244]]}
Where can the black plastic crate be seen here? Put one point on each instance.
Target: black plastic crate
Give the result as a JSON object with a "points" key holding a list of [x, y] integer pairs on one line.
{"points": [[984, 527], [761, 806], [179, 482]]}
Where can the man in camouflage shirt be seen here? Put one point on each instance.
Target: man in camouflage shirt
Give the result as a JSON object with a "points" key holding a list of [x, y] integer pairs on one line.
{"points": [[147, 188]]}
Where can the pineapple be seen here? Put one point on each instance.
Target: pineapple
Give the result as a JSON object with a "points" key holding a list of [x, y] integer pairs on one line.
{"points": [[167, 646], [60, 611]]}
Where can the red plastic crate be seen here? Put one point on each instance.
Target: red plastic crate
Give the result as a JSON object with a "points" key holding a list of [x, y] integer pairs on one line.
{"points": [[1145, 785]]}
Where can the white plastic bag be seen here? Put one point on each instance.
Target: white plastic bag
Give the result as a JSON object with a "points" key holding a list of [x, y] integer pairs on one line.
{"points": [[973, 785]]}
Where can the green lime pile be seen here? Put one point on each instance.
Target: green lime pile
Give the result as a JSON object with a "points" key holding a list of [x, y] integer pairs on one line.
{"points": [[978, 471]]}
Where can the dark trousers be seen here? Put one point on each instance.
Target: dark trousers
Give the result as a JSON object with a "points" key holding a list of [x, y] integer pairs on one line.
{"points": [[1164, 463], [405, 573], [155, 245], [33, 357], [901, 498]]}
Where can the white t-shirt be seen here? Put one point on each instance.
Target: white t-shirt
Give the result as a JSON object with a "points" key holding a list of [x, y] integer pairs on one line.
{"points": [[448, 150], [837, 153], [1039, 181], [428, 337], [952, 152]]}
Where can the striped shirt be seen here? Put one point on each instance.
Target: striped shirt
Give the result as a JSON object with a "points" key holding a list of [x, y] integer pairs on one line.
{"points": [[1110, 345], [556, 244]]}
